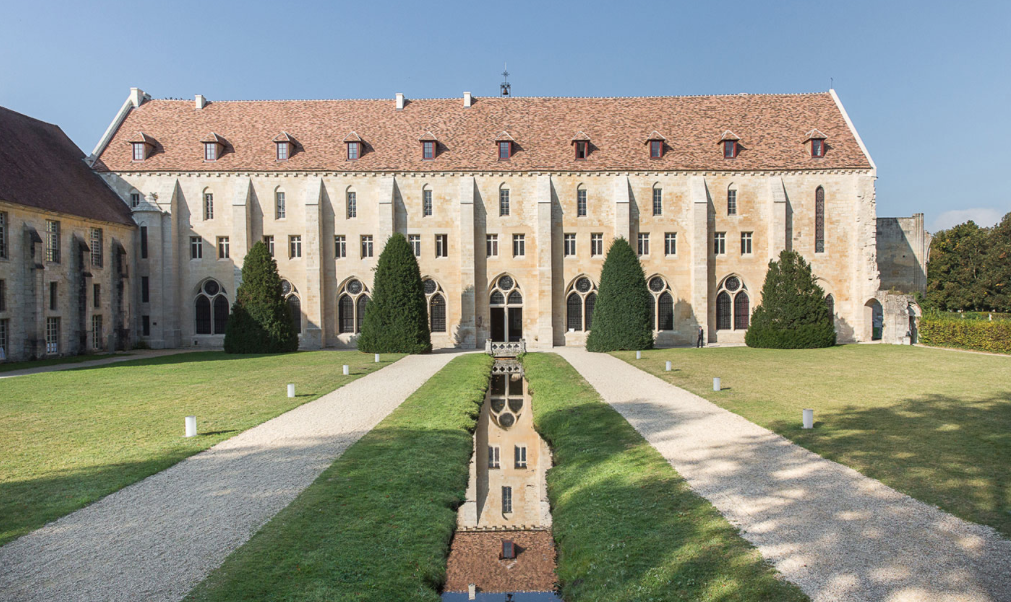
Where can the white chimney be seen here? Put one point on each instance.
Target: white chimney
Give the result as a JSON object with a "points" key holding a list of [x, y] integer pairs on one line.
{"points": [[400, 101], [201, 101], [468, 100], [137, 97]]}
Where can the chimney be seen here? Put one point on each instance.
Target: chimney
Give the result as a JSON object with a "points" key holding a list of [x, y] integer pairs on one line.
{"points": [[201, 101], [468, 100], [400, 101], [137, 97]]}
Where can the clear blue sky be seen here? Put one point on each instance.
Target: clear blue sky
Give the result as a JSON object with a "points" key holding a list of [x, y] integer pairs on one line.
{"points": [[928, 84]]}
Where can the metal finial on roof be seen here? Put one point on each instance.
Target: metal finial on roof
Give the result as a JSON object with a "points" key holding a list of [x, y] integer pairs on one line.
{"points": [[506, 88]]}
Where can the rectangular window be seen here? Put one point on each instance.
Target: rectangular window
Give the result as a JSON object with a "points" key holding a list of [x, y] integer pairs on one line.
{"points": [[643, 243], [581, 203], [441, 245], [145, 289], [731, 202], [280, 209], [54, 296], [507, 500], [570, 244], [428, 149], [426, 201], [745, 243], [729, 149], [208, 205], [817, 148], [282, 151], [96, 296], [294, 246], [3, 295], [340, 246], [3, 338], [145, 326], [352, 205], [582, 149], [504, 150], [196, 248], [354, 150], [655, 149], [658, 201], [720, 243], [52, 335], [52, 241], [503, 201], [96, 247], [143, 242], [138, 151], [366, 246], [493, 456], [520, 456], [491, 242], [670, 243], [134, 199], [596, 245], [269, 241], [415, 241], [96, 332], [222, 247], [519, 245], [210, 151], [3, 235]]}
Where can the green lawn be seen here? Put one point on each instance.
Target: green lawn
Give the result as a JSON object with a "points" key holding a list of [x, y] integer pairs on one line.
{"points": [[72, 437], [56, 361], [376, 525], [627, 526], [931, 423]]}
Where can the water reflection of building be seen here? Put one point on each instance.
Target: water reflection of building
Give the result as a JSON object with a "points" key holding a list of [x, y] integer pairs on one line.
{"points": [[507, 474]]}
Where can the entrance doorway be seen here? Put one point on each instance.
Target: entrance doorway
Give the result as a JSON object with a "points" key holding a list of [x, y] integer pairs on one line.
{"points": [[874, 320], [506, 308]]}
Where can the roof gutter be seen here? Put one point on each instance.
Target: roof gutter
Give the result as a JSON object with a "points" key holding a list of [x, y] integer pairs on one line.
{"points": [[136, 98], [853, 130]]}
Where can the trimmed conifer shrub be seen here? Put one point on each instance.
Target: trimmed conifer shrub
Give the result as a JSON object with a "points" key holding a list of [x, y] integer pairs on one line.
{"points": [[260, 321], [793, 313], [622, 317], [396, 317]]}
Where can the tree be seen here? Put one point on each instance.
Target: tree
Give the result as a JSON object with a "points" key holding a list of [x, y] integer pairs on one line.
{"points": [[622, 316], [260, 321], [396, 318], [997, 270], [958, 257], [793, 313]]}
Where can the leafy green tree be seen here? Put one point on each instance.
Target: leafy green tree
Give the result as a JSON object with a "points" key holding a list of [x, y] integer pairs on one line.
{"points": [[260, 321], [396, 318], [793, 313], [958, 258], [998, 266], [622, 316]]}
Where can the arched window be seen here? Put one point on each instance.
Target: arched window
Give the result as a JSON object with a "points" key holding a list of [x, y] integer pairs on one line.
{"points": [[652, 311], [665, 312], [515, 298], [345, 314], [220, 314], [819, 220], [732, 200], [437, 313], [591, 301], [497, 298], [830, 303], [360, 305], [723, 311], [203, 308], [208, 204], [296, 312], [581, 200], [574, 312], [742, 311]]}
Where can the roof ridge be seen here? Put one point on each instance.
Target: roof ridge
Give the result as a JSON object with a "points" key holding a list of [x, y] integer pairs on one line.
{"points": [[493, 97]]}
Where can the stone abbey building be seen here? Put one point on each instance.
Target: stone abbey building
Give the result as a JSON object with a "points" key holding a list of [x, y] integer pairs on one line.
{"points": [[509, 203]]}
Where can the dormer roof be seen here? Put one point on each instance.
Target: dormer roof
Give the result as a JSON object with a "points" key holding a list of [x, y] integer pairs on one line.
{"points": [[504, 136], [580, 137], [728, 135], [213, 138], [283, 137], [352, 137], [141, 137], [815, 134], [427, 137], [655, 135]]}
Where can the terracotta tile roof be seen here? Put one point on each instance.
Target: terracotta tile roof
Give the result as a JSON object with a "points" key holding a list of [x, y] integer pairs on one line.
{"points": [[580, 137], [655, 135], [40, 167], [142, 138], [283, 137], [352, 137], [815, 134], [474, 557], [771, 126], [728, 135]]}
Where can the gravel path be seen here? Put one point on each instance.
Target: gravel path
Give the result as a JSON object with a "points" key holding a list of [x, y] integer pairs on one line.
{"points": [[837, 534], [156, 539]]}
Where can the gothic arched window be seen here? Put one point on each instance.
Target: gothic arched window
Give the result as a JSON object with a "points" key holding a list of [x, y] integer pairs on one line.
{"points": [[819, 220], [296, 312], [665, 312], [220, 314], [203, 308], [345, 314], [211, 308], [437, 313], [351, 299], [574, 312], [360, 306], [723, 311], [742, 311]]}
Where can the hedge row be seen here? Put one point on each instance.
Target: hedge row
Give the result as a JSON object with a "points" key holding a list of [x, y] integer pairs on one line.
{"points": [[979, 335]]}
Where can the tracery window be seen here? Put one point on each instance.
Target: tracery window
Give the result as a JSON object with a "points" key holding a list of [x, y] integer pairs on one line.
{"points": [[211, 308], [436, 305], [351, 301], [819, 220], [290, 294], [661, 303], [580, 299], [733, 305]]}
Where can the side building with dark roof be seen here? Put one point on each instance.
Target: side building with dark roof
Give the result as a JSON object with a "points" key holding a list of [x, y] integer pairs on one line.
{"points": [[66, 248], [510, 205]]}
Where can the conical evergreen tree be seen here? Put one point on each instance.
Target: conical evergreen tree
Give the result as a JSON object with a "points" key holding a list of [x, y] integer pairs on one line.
{"points": [[260, 321], [396, 318], [793, 313], [621, 317]]}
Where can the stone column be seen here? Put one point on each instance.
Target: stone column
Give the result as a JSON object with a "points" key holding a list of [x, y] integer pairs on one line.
{"points": [[312, 249], [170, 254], [544, 335], [386, 207], [701, 237], [467, 334], [777, 217], [242, 227], [623, 210]]}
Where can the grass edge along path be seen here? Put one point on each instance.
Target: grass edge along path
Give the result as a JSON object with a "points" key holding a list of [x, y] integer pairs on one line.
{"points": [[377, 524], [627, 527]]}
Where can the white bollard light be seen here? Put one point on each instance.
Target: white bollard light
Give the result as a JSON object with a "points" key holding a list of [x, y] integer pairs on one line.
{"points": [[377, 358], [668, 366], [291, 390], [716, 384], [191, 426], [347, 370], [638, 355], [809, 419]]}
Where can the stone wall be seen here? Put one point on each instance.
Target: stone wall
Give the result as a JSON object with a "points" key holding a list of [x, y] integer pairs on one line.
{"points": [[902, 253]]}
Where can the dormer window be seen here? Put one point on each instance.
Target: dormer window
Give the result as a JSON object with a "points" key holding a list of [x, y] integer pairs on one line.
{"points": [[140, 146], [582, 149], [284, 146], [731, 145], [210, 151], [283, 150], [428, 150], [817, 140], [505, 150], [655, 149], [138, 151], [354, 150]]}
